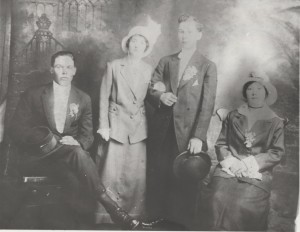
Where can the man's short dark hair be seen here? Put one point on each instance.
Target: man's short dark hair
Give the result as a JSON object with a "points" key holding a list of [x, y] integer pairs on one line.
{"points": [[185, 18], [61, 53]]}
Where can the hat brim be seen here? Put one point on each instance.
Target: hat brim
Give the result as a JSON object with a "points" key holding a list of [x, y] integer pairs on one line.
{"points": [[272, 91], [184, 156], [178, 160], [36, 157], [125, 49]]}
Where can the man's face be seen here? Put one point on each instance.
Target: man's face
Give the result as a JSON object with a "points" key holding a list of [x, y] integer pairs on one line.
{"points": [[63, 70], [188, 34]]}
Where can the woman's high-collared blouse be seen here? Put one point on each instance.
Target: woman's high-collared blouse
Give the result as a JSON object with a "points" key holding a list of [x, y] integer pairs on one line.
{"points": [[266, 143]]}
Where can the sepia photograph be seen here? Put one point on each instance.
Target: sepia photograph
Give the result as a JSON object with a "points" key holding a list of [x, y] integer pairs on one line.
{"points": [[149, 115]]}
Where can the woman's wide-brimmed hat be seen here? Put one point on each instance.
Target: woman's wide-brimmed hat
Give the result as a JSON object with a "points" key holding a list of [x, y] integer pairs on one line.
{"points": [[150, 32], [263, 80], [192, 167], [41, 142]]}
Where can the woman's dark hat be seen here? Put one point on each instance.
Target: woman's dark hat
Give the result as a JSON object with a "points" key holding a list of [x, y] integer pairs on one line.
{"points": [[41, 142], [192, 167]]}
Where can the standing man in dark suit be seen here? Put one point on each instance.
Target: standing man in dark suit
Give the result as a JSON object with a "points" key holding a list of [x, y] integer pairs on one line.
{"points": [[67, 112], [183, 90]]}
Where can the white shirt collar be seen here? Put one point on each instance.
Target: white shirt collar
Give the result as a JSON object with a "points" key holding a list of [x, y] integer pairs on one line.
{"points": [[186, 53], [263, 113], [60, 88]]}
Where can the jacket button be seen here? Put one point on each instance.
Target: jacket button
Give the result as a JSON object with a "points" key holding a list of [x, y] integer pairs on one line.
{"points": [[134, 102], [131, 116]]}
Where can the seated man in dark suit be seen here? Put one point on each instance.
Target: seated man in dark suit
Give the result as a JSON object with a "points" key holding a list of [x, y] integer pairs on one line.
{"points": [[67, 112]]}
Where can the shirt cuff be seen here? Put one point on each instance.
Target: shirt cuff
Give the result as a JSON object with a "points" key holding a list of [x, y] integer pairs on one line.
{"points": [[99, 131], [160, 86]]}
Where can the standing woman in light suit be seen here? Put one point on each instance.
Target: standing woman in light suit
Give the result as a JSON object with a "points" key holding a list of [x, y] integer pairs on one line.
{"points": [[123, 124]]}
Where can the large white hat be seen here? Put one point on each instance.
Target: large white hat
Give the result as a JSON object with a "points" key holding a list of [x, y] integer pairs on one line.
{"points": [[150, 32]]}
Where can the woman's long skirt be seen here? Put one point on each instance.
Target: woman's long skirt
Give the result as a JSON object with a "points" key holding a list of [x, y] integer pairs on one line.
{"points": [[232, 205], [124, 176]]}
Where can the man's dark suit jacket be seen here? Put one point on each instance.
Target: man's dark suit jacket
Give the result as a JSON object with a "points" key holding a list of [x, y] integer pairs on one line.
{"points": [[195, 103], [36, 108]]}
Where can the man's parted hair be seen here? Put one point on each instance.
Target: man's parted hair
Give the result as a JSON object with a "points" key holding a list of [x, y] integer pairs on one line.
{"points": [[185, 18], [61, 53]]}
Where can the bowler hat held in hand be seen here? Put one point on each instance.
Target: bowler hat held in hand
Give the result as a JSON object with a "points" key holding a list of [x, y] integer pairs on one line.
{"points": [[191, 167], [41, 142]]}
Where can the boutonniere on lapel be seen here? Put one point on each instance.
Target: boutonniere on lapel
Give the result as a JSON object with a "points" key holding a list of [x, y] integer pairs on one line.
{"points": [[249, 138], [74, 110], [189, 73]]}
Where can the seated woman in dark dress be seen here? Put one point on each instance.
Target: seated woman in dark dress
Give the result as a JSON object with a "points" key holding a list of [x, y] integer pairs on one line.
{"points": [[250, 145]]}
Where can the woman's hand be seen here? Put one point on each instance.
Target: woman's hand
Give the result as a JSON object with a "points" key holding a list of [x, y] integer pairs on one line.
{"points": [[238, 168], [104, 133]]}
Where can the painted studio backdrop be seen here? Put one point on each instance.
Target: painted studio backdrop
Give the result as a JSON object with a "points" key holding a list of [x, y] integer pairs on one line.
{"points": [[239, 36]]}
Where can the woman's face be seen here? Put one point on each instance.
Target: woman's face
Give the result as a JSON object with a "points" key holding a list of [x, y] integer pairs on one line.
{"points": [[256, 95], [137, 46]]}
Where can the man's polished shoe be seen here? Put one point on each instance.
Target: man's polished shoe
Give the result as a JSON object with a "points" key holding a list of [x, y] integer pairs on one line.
{"points": [[121, 217], [162, 225], [148, 225]]}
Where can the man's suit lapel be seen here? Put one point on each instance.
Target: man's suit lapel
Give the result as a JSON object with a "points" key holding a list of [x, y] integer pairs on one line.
{"points": [[196, 61], [174, 69], [48, 104], [73, 99]]}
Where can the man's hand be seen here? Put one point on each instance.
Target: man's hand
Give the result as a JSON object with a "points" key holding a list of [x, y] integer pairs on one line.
{"points": [[69, 140], [104, 133], [195, 145], [168, 98]]}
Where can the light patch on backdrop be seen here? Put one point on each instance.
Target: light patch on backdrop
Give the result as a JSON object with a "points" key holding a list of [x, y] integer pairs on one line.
{"points": [[258, 36], [239, 36], [162, 14], [247, 35]]}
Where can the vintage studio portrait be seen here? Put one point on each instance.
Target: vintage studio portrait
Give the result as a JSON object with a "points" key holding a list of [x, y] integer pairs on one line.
{"points": [[149, 115]]}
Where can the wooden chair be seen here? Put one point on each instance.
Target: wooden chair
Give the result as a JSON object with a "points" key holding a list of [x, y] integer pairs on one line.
{"points": [[39, 193]]}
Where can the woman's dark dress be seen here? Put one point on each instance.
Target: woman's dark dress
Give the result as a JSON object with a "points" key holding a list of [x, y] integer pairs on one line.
{"points": [[243, 203]]}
